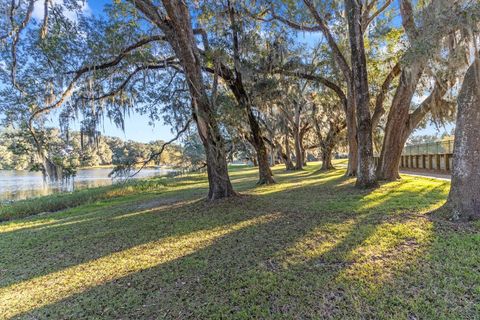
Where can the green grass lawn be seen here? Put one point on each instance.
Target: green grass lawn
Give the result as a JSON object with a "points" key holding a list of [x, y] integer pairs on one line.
{"points": [[311, 246]]}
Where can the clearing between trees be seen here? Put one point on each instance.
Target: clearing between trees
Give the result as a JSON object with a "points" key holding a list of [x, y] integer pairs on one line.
{"points": [[310, 246]]}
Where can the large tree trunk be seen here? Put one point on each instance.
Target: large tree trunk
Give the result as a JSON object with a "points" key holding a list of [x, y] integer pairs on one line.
{"points": [[303, 132], [265, 173], [297, 136], [327, 150], [464, 196], [288, 160], [351, 135], [328, 145], [257, 141], [298, 150], [179, 33], [397, 126], [400, 122], [218, 180], [366, 166]]}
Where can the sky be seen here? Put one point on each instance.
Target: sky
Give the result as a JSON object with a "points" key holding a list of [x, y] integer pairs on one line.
{"points": [[136, 125]]}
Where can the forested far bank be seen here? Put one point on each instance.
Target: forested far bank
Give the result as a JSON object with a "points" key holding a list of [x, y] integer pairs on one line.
{"points": [[76, 150]]}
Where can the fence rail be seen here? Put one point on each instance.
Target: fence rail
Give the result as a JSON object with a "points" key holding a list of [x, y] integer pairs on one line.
{"points": [[438, 147]]}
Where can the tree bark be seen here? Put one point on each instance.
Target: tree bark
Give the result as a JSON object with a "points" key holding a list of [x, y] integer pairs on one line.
{"points": [[297, 136], [177, 27], [288, 160], [366, 177], [327, 150], [464, 197], [328, 145], [265, 173], [303, 132], [298, 150], [257, 141], [397, 131], [396, 128], [351, 136]]}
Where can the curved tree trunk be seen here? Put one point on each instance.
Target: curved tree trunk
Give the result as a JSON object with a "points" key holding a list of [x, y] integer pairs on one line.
{"points": [[265, 173], [397, 127], [390, 157], [401, 123], [327, 157], [464, 197], [236, 84], [219, 184], [286, 160]]}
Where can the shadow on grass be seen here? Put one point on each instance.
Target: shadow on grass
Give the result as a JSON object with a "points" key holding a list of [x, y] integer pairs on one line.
{"points": [[330, 252]]}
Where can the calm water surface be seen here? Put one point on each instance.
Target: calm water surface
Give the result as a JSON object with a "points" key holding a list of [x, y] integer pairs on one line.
{"points": [[17, 185]]}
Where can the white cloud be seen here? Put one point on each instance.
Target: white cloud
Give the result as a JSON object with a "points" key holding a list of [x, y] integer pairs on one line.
{"points": [[39, 11]]}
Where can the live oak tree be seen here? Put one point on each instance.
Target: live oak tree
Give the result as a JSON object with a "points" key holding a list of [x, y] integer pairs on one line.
{"points": [[356, 23], [296, 112], [173, 19], [328, 121], [434, 55], [229, 63], [464, 197], [321, 21]]}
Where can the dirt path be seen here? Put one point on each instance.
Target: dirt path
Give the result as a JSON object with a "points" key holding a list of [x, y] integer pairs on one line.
{"points": [[412, 172], [427, 174]]}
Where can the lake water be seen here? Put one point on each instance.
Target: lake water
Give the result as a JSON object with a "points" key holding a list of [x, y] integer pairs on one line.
{"points": [[17, 185]]}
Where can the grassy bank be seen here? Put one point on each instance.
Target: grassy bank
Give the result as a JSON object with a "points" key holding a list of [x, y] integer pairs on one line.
{"points": [[311, 246], [60, 201]]}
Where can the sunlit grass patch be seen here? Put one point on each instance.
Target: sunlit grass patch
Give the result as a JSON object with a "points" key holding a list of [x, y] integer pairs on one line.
{"points": [[315, 244], [310, 246], [389, 247], [22, 297]]}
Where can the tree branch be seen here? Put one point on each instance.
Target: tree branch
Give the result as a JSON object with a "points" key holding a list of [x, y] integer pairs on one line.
{"points": [[156, 155], [380, 99]]}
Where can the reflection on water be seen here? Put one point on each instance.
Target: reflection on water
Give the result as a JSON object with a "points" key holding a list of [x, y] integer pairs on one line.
{"points": [[17, 185]]}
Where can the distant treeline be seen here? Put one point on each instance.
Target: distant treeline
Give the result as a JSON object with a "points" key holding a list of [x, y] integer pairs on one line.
{"points": [[74, 150]]}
